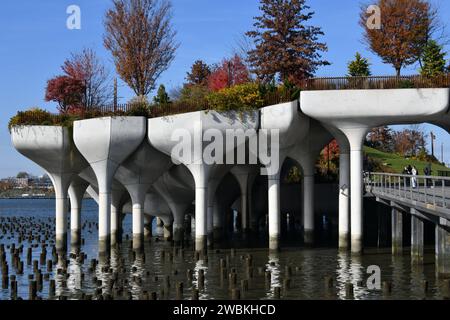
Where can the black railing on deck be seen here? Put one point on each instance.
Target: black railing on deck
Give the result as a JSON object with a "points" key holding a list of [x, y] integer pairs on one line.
{"points": [[388, 82]]}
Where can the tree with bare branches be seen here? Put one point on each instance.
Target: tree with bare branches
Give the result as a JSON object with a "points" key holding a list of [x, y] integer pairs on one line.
{"points": [[140, 38], [406, 28], [87, 68]]}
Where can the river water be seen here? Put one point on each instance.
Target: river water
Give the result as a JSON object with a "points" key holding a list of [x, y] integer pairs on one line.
{"points": [[134, 275]]}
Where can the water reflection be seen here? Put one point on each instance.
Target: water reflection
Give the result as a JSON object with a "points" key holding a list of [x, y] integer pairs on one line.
{"points": [[273, 266], [126, 274]]}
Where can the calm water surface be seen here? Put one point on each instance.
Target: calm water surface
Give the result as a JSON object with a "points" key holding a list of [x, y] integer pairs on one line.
{"points": [[145, 273]]}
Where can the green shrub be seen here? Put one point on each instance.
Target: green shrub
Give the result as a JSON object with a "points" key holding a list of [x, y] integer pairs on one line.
{"points": [[139, 107], [34, 116], [406, 84], [237, 98]]}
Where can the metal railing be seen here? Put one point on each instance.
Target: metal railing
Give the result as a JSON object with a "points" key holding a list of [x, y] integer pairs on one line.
{"points": [[428, 190], [377, 82]]}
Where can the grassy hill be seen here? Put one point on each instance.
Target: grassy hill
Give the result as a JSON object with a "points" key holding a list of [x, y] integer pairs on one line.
{"points": [[396, 163]]}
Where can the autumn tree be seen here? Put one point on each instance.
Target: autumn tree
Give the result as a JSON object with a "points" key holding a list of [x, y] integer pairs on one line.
{"points": [[381, 138], [140, 38], [229, 73], [199, 73], [87, 67], [406, 27], [66, 91], [433, 60], [409, 141], [329, 158], [285, 46], [360, 67]]}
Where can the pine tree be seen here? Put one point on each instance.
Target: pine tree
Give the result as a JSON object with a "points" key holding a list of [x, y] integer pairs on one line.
{"points": [[199, 74], [433, 60], [162, 98], [285, 47], [360, 67]]}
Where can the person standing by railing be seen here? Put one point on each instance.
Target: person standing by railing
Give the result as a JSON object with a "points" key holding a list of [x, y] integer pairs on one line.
{"points": [[427, 171], [414, 173]]}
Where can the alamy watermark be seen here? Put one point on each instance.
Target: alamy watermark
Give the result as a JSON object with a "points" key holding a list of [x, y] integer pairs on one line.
{"points": [[374, 19], [74, 20], [230, 147]]}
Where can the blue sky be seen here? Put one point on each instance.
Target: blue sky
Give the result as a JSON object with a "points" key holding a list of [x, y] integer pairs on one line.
{"points": [[34, 42]]}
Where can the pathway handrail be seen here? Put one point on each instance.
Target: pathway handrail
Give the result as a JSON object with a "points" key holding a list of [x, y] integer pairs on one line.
{"points": [[427, 190]]}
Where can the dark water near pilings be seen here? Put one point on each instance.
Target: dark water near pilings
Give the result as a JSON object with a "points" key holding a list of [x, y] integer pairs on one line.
{"points": [[137, 274]]}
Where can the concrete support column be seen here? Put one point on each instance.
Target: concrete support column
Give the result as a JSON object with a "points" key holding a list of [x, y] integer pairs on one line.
{"points": [[397, 232], [168, 230], [201, 228], [138, 225], [116, 213], [77, 190], [244, 212], [355, 137], [178, 233], [274, 211], [159, 222], [308, 208], [148, 232], [137, 193], [417, 233], [344, 200], [178, 211], [61, 219], [201, 172], [104, 221], [442, 251]]}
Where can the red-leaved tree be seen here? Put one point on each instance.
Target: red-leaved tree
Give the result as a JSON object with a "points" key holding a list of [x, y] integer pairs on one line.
{"points": [[229, 73], [88, 68], [66, 91]]}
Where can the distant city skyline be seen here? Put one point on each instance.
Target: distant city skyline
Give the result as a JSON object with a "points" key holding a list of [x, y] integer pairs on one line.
{"points": [[36, 41]]}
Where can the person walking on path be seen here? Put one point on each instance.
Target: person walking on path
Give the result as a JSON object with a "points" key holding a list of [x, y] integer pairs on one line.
{"points": [[414, 177], [427, 171]]}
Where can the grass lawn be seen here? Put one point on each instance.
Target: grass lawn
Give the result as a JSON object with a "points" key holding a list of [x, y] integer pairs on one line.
{"points": [[397, 163]]}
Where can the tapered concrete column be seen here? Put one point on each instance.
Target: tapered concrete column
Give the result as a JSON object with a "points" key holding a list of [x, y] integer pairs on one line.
{"points": [[61, 220], [308, 208], [344, 200], [274, 211], [242, 176], [116, 213], [201, 176], [137, 193], [417, 239], [77, 190], [397, 232], [212, 187], [52, 148], [159, 222], [244, 212], [178, 212], [148, 226], [201, 230], [168, 229], [355, 136], [442, 251], [105, 143]]}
